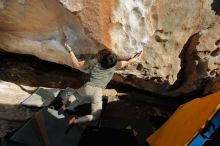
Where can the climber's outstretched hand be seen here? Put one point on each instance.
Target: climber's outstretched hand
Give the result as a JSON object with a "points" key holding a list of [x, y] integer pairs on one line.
{"points": [[134, 59], [67, 46]]}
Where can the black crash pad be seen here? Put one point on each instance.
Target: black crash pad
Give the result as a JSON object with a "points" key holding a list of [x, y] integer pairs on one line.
{"points": [[44, 129], [103, 136], [42, 97]]}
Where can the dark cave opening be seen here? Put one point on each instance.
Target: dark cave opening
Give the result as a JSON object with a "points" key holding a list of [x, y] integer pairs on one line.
{"points": [[216, 7]]}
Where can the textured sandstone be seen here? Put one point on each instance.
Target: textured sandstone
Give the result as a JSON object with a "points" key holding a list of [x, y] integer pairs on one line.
{"points": [[167, 59], [161, 28], [36, 28], [173, 22], [131, 26], [208, 50], [72, 5]]}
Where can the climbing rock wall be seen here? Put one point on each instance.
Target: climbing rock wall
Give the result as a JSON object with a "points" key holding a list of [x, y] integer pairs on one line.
{"points": [[208, 50], [179, 39], [173, 23], [39, 28]]}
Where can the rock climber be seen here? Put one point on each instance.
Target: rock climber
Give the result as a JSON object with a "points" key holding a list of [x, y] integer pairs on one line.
{"points": [[101, 70]]}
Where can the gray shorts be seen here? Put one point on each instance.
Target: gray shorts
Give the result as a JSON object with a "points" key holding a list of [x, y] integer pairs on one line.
{"points": [[86, 94]]}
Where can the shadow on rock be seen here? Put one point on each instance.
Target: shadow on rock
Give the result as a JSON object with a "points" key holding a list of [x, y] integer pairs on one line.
{"points": [[216, 7]]}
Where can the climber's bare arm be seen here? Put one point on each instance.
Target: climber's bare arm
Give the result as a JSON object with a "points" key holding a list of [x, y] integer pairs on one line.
{"points": [[77, 64], [135, 58], [124, 63]]}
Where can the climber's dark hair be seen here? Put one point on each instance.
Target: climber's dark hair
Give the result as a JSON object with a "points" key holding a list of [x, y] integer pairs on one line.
{"points": [[107, 58]]}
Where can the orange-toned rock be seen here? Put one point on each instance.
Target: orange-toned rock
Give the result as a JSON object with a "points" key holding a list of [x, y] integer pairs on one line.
{"points": [[159, 28], [40, 27]]}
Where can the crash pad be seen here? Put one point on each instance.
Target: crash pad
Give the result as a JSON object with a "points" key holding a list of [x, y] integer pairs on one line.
{"points": [[186, 123], [41, 97]]}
